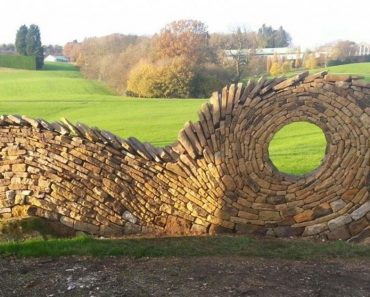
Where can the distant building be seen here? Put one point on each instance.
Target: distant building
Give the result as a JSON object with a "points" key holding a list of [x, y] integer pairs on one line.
{"points": [[52, 58], [286, 53], [363, 49]]}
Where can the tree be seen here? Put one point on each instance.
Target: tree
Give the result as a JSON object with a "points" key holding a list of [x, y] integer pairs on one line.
{"points": [[20, 40], [34, 46], [343, 49], [55, 50], [242, 45], [275, 69], [282, 38], [72, 50], [274, 38], [172, 79], [186, 38], [310, 62], [28, 43]]}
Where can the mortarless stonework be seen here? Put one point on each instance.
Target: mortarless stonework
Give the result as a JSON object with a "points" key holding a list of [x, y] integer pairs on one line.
{"points": [[216, 178]]}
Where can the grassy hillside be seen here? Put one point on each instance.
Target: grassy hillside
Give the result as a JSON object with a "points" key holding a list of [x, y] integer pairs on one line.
{"points": [[356, 69], [60, 91]]}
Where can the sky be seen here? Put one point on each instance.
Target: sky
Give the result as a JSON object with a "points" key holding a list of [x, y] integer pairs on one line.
{"points": [[310, 22]]}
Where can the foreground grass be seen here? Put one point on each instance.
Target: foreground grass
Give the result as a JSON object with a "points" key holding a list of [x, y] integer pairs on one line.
{"points": [[185, 247]]}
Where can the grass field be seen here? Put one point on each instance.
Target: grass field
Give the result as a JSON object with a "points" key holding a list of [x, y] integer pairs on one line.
{"points": [[186, 247], [298, 148], [362, 69], [60, 91]]}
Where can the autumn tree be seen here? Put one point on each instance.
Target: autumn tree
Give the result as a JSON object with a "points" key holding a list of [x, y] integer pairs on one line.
{"points": [[241, 47], [72, 50], [310, 61], [187, 38], [343, 49], [169, 80]]}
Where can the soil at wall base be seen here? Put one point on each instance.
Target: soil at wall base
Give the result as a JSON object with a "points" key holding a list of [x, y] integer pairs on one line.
{"points": [[206, 276]]}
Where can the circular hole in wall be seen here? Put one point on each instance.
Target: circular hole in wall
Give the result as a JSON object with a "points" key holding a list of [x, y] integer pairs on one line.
{"points": [[297, 148]]}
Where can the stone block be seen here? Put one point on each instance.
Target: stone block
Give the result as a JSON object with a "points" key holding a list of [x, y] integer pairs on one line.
{"points": [[339, 221], [361, 211]]}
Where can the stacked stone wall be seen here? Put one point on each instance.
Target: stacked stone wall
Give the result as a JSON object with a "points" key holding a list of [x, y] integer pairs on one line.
{"points": [[216, 178]]}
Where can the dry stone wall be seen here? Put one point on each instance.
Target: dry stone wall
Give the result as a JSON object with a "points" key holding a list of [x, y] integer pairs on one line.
{"points": [[216, 178]]}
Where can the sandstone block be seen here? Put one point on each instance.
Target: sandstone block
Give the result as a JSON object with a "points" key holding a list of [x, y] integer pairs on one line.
{"points": [[361, 211], [339, 221]]}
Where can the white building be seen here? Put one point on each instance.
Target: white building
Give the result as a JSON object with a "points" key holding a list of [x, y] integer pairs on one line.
{"points": [[363, 49], [52, 58], [286, 53]]}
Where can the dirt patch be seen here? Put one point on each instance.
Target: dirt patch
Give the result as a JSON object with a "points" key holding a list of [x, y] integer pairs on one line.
{"points": [[206, 276]]}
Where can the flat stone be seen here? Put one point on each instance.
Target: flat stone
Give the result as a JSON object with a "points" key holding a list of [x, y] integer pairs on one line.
{"points": [[322, 210], [339, 221], [337, 77], [357, 226], [315, 229], [349, 194], [304, 216], [340, 233], [280, 199], [198, 229], [362, 237], [268, 215], [361, 211], [337, 205], [229, 182], [128, 216], [287, 231], [176, 225], [130, 228]]}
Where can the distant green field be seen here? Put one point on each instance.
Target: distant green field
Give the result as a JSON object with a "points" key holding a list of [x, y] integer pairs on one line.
{"points": [[355, 69], [298, 148], [362, 69], [60, 91]]}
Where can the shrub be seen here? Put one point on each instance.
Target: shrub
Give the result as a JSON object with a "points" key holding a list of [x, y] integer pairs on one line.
{"points": [[19, 62], [310, 62], [275, 69], [168, 79], [286, 67], [210, 78]]}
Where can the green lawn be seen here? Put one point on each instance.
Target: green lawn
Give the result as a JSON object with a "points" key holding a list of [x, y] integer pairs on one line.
{"points": [[362, 69], [60, 91], [298, 148]]}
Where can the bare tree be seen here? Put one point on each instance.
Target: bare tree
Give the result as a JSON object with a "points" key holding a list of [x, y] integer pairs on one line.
{"points": [[242, 44]]}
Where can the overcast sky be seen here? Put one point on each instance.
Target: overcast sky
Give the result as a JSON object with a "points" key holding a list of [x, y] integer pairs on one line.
{"points": [[310, 22]]}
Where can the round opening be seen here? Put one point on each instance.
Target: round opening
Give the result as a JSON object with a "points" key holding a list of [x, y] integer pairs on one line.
{"points": [[298, 148]]}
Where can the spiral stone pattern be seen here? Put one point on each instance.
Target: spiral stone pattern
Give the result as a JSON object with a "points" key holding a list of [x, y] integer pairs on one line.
{"points": [[216, 178]]}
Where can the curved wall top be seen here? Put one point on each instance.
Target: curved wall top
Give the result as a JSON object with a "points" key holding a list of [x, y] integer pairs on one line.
{"points": [[217, 177]]}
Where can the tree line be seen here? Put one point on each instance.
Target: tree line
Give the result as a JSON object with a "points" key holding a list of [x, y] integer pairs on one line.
{"points": [[28, 43], [182, 60]]}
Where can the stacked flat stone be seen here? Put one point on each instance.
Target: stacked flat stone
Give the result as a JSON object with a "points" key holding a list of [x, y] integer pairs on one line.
{"points": [[216, 178]]}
